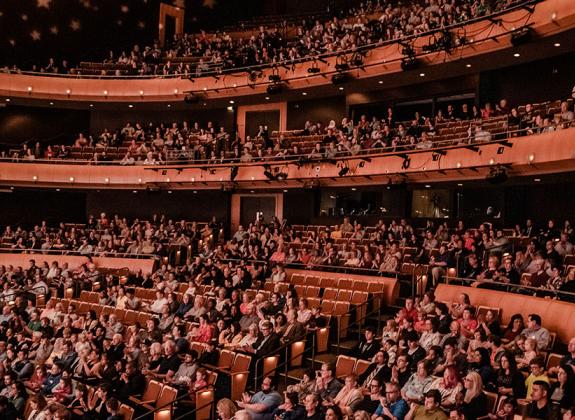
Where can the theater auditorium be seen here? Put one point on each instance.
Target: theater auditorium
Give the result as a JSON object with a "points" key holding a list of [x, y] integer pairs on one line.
{"points": [[287, 210]]}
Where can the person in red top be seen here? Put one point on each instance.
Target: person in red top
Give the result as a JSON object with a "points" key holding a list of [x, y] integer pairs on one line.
{"points": [[408, 312], [204, 332], [467, 322]]}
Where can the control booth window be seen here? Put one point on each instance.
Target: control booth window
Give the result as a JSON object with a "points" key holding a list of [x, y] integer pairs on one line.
{"points": [[430, 203]]}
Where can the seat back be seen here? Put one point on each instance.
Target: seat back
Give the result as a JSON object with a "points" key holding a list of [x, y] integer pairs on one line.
{"points": [[204, 399], [344, 366], [312, 291], [491, 401], [344, 295], [226, 359], [270, 364], [322, 338], [126, 412], [361, 366], [152, 391], [241, 363], [330, 294], [167, 396]]}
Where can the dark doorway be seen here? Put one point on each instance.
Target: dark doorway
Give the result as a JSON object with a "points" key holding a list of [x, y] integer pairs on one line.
{"points": [[250, 207]]}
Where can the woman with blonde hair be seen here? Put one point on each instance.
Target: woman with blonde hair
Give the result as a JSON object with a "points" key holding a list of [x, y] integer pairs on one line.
{"points": [[350, 394], [226, 409], [449, 386], [474, 403]]}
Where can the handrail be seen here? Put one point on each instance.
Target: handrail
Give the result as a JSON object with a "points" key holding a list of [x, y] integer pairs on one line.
{"points": [[302, 159], [191, 413], [288, 62], [32, 251], [513, 288], [23, 291]]}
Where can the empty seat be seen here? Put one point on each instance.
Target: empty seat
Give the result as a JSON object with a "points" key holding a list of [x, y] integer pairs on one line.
{"points": [[344, 366]]}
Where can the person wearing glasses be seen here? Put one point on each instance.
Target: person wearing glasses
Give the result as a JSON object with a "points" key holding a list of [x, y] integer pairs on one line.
{"points": [[391, 406]]}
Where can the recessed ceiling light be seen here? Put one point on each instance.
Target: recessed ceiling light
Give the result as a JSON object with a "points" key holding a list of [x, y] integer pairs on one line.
{"points": [[537, 180], [267, 98], [232, 102], [557, 44], [460, 185], [421, 74], [135, 192], [516, 55], [341, 88], [304, 93], [170, 191], [380, 82], [252, 191], [230, 108], [354, 189], [285, 191], [205, 88], [235, 85], [29, 88], [7, 99], [130, 106], [468, 65], [51, 103], [427, 186], [169, 105], [91, 105]]}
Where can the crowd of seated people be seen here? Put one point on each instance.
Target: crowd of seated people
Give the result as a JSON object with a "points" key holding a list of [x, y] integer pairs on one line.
{"points": [[370, 23], [429, 359], [150, 144], [105, 236]]}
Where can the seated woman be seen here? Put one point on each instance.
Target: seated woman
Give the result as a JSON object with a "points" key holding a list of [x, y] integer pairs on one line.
{"points": [[449, 386], [62, 392], [418, 383], [305, 386], [37, 379], [203, 332], [474, 402], [348, 397], [291, 409], [510, 381], [79, 404], [563, 391], [516, 325], [230, 336], [467, 322]]}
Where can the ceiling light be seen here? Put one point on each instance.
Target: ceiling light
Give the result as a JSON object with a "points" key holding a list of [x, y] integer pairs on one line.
{"points": [[285, 191], [71, 179], [230, 108], [29, 88], [491, 161], [169, 105], [193, 179], [421, 74], [167, 179], [304, 93], [139, 180], [205, 88], [91, 105], [68, 91], [176, 91], [427, 186], [557, 44], [468, 65], [130, 106], [341, 88], [460, 185], [235, 85], [7, 99], [105, 93], [35, 178], [267, 98], [107, 180], [531, 157], [141, 93], [459, 164], [354, 189], [516, 55], [537, 180], [232, 102], [380, 82], [51, 103]]}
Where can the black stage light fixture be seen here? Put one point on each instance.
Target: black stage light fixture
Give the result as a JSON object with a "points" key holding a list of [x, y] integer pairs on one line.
{"points": [[313, 70], [268, 172], [275, 78], [274, 88], [409, 63], [282, 176], [497, 175], [521, 36], [342, 67], [339, 78], [343, 171], [191, 98], [233, 173]]}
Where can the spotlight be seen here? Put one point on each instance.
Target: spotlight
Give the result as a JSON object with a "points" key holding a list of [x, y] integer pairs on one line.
{"points": [[343, 171], [409, 63], [282, 176], [233, 173], [274, 88], [268, 173], [275, 78], [191, 98], [497, 175], [339, 78], [313, 70], [521, 36], [342, 67]]}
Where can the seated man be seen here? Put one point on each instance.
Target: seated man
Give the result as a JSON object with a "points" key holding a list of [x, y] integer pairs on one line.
{"points": [[430, 408], [263, 402], [367, 348], [540, 408], [327, 386], [536, 331]]}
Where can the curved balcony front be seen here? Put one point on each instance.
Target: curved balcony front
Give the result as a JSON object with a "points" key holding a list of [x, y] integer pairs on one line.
{"points": [[548, 19]]}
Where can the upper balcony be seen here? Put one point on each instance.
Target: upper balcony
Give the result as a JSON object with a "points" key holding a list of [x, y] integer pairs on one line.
{"points": [[552, 23]]}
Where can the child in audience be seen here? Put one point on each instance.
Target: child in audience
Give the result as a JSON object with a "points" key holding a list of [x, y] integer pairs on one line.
{"points": [[506, 411], [529, 353]]}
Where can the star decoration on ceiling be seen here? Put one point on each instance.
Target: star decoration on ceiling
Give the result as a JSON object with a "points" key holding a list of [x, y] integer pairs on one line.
{"points": [[210, 4], [75, 25], [54, 30], [35, 35], [43, 3]]}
